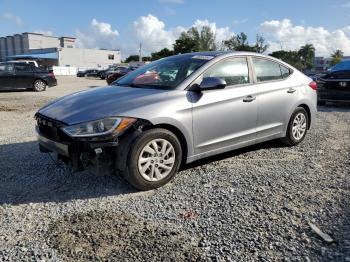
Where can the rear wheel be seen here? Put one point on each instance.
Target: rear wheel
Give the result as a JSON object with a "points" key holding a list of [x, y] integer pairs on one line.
{"points": [[39, 85], [153, 160], [297, 127]]}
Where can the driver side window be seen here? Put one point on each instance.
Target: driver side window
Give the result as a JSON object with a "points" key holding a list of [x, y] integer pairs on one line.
{"points": [[234, 71]]}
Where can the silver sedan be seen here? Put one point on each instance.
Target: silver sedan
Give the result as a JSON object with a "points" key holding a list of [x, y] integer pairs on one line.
{"points": [[177, 110]]}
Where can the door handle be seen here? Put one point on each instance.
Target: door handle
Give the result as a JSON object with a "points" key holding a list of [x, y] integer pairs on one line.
{"points": [[249, 98], [291, 90]]}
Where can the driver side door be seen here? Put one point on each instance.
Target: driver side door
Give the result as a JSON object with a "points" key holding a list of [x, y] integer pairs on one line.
{"points": [[225, 119]]}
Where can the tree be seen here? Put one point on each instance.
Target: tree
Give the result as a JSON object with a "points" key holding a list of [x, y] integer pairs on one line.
{"points": [[337, 57], [185, 44], [240, 43], [195, 40], [162, 53], [135, 58], [260, 45], [307, 56], [290, 57]]}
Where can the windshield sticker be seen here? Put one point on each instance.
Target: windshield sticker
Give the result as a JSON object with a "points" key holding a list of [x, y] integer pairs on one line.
{"points": [[203, 57]]}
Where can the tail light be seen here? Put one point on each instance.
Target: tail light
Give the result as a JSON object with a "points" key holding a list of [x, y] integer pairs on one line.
{"points": [[313, 85], [51, 74]]}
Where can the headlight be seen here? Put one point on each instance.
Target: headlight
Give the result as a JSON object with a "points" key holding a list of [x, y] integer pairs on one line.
{"points": [[99, 127]]}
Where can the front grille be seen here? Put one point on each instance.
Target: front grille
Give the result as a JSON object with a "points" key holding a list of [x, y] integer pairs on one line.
{"points": [[51, 128]]}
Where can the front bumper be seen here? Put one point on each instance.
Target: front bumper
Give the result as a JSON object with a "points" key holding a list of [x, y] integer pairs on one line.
{"points": [[48, 145], [79, 154]]}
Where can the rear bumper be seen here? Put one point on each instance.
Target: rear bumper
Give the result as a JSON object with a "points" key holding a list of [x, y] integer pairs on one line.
{"points": [[333, 95], [51, 82]]}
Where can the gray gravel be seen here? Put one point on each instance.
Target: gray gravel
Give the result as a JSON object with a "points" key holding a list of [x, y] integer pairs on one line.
{"points": [[247, 205]]}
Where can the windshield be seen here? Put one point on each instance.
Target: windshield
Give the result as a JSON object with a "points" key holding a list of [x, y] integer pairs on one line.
{"points": [[165, 73]]}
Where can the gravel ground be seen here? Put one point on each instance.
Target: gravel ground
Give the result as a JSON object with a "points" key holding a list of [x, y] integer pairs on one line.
{"points": [[247, 205]]}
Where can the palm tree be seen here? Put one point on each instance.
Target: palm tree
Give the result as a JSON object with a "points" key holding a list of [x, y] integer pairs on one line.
{"points": [[337, 57], [307, 55]]}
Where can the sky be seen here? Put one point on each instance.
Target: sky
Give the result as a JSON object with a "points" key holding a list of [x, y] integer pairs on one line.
{"points": [[158, 23]]}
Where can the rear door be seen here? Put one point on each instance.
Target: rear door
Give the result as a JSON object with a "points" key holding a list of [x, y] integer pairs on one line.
{"points": [[6, 75], [277, 94], [225, 119], [24, 74]]}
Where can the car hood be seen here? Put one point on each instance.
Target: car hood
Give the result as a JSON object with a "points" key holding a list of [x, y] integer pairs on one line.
{"points": [[101, 102]]}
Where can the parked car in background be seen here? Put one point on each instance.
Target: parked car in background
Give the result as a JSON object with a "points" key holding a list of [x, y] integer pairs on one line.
{"points": [[342, 66], [119, 73], [33, 62], [177, 110], [115, 70], [17, 75], [334, 86], [87, 72], [92, 73]]}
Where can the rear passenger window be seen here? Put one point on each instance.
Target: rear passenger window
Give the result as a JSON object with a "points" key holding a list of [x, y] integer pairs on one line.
{"points": [[267, 70], [233, 71], [23, 67], [285, 71]]}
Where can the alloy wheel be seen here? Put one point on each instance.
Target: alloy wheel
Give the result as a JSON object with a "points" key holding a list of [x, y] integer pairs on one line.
{"points": [[156, 160], [299, 126], [39, 85]]}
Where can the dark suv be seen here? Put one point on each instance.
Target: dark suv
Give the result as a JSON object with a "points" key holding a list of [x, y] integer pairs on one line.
{"points": [[17, 75]]}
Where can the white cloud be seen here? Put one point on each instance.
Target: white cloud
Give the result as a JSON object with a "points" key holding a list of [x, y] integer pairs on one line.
{"points": [[283, 34], [44, 32], [221, 33], [98, 35], [153, 35], [12, 18]]}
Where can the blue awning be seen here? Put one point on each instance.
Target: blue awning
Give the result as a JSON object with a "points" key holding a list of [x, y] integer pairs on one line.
{"points": [[53, 55]]}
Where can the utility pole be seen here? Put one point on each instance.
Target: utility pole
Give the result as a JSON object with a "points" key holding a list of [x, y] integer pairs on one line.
{"points": [[140, 53]]}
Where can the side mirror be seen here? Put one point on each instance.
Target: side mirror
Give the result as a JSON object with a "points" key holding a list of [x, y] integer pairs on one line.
{"points": [[210, 83]]}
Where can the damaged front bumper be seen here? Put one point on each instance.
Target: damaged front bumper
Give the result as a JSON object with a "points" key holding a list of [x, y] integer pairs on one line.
{"points": [[79, 154], [95, 153]]}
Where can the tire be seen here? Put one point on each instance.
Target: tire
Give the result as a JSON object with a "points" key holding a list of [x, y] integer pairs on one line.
{"points": [[297, 127], [39, 85], [142, 157], [321, 103]]}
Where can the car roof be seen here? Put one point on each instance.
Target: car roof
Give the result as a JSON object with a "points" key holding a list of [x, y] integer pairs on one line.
{"points": [[224, 53]]}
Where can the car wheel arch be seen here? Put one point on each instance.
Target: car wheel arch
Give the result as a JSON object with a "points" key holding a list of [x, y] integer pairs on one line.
{"points": [[36, 79]]}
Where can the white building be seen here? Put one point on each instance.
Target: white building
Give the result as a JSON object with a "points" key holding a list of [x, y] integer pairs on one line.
{"points": [[55, 51]]}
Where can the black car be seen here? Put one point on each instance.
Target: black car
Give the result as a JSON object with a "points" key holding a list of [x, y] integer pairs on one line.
{"points": [[92, 73], [334, 87], [18, 75], [118, 74], [88, 72]]}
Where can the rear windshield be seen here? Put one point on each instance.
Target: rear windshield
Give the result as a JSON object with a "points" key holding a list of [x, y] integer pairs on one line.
{"points": [[166, 73]]}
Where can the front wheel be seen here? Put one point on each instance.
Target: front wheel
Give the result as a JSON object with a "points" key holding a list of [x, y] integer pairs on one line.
{"points": [[39, 85], [297, 127], [154, 159]]}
